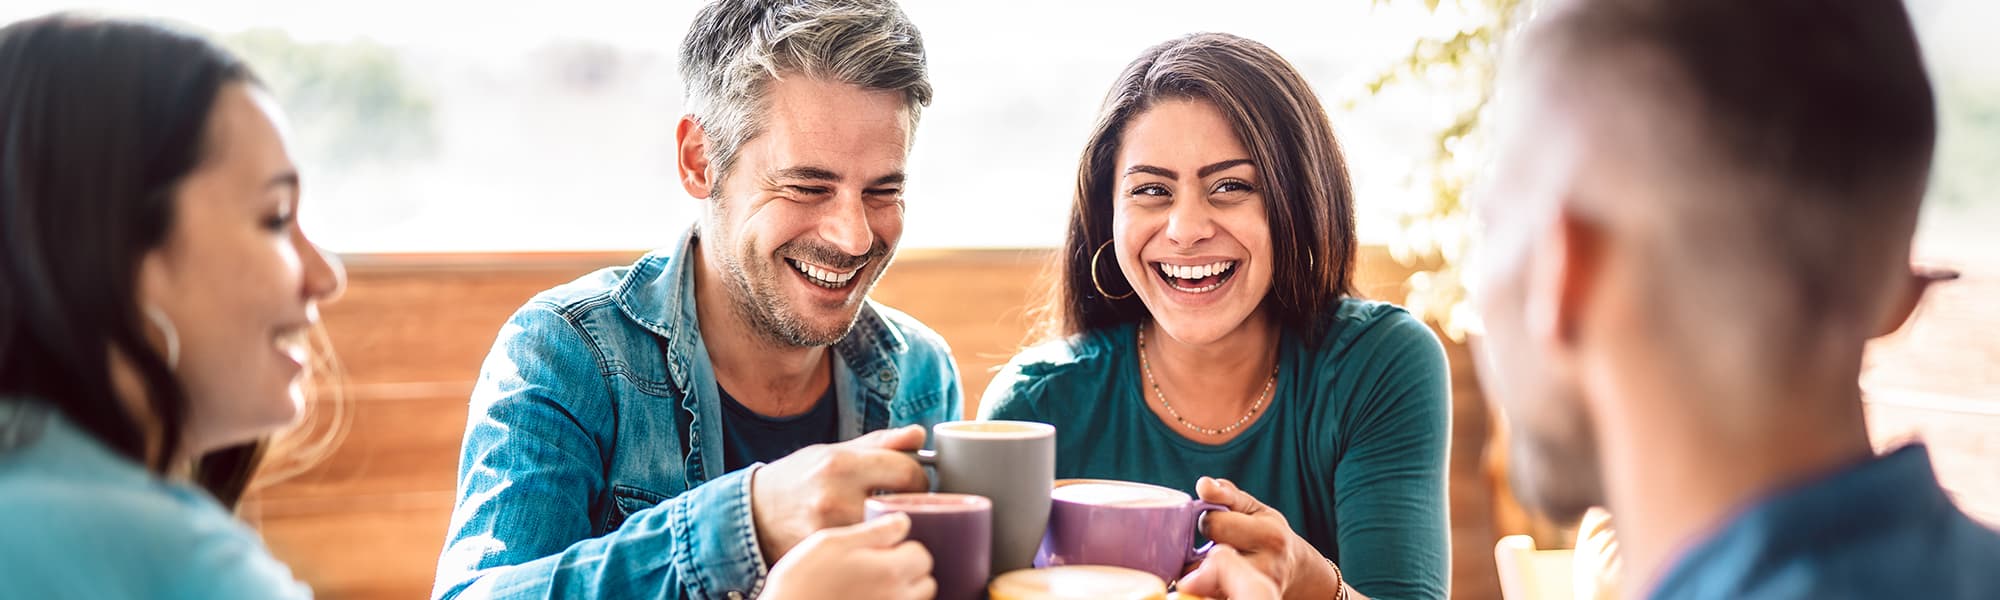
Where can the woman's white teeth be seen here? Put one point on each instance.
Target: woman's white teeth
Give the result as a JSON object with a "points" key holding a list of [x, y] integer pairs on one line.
{"points": [[1177, 274], [1195, 271], [823, 277]]}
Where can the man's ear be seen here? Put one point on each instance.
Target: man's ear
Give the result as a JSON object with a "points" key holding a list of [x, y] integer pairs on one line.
{"points": [[691, 158], [1567, 267], [1917, 283]]}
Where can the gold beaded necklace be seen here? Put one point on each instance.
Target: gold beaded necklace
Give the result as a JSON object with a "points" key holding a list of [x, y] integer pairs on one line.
{"points": [[1147, 367]]}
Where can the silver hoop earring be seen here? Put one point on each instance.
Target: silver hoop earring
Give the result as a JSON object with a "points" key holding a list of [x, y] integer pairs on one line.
{"points": [[166, 326]]}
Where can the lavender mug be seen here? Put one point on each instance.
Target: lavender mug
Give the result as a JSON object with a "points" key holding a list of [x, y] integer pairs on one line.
{"points": [[1123, 524]]}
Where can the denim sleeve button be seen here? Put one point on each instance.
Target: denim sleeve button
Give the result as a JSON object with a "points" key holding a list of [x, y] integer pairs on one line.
{"points": [[885, 375]]}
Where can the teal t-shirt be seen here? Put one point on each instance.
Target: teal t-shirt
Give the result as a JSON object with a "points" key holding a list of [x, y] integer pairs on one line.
{"points": [[1352, 449], [80, 521]]}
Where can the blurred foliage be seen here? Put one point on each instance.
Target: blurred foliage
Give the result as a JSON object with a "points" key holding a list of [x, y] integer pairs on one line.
{"points": [[1964, 177], [352, 103], [1436, 229]]}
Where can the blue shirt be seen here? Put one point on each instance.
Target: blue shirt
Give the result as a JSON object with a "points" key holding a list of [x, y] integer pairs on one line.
{"points": [[78, 520], [749, 438], [1880, 529], [1351, 449], [593, 464]]}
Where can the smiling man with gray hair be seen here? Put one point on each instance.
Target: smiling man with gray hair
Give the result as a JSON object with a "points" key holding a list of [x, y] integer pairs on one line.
{"points": [[619, 436]]}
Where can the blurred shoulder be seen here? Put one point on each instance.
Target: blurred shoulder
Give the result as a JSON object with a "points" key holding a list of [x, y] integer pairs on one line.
{"points": [[91, 519]]}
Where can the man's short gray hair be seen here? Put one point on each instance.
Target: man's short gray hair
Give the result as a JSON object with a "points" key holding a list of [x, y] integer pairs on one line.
{"points": [[736, 48]]}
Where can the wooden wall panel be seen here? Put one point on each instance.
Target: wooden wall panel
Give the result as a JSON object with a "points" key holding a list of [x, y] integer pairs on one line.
{"points": [[360, 547], [424, 321], [391, 444]]}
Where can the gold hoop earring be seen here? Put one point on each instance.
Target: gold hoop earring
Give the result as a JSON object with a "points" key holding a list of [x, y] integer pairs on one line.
{"points": [[1093, 274]]}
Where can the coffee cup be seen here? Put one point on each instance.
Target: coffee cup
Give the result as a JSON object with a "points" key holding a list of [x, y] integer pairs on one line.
{"points": [[957, 529], [1080, 582], [1123, 524], [1012, 463]]}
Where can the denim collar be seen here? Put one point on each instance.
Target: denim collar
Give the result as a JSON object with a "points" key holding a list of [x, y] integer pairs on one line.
{"points": [[659, 295]]}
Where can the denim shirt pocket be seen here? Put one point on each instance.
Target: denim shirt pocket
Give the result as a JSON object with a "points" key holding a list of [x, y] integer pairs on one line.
{"points": [[920, 407], [626, 501]]}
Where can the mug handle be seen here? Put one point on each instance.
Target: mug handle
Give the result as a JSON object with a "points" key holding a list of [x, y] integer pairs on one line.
{"points": [[927, 458], [1202, 508]]}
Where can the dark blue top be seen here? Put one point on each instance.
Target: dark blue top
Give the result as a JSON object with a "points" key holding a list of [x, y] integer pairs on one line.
{"points": [[1880, 529], [748, 437]]}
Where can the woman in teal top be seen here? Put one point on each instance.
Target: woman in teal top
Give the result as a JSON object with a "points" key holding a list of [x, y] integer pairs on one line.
{"points": [[1204, 326]]}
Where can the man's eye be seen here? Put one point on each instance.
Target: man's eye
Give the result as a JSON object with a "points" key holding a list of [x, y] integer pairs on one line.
{"points": [[804, 190]]}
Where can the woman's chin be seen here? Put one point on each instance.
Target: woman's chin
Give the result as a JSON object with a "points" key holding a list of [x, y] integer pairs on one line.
{"points": [[1201, 325], [1195, 329]]}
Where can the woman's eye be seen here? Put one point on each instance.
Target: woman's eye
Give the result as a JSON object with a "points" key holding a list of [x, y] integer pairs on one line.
{"points": [[279, 222], [1233, 187], [1149, 190]]}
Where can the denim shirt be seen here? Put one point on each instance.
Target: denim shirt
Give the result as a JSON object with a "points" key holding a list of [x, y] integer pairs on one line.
{"points": [[592, 464]]}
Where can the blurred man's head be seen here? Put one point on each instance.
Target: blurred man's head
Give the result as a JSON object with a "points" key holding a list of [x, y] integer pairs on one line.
{"points": [[1691, 195], [799, 119]]}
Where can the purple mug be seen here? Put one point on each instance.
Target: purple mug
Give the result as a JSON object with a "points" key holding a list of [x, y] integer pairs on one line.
{"points": [[1123, 524], [957, 529]]}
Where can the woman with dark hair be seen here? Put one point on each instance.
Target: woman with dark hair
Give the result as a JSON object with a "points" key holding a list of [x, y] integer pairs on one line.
{"points": [[1204, 325], [156, 302]]}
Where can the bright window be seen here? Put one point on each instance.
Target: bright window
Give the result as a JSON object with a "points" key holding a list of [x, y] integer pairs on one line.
{"points": [[451, 126]]}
